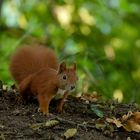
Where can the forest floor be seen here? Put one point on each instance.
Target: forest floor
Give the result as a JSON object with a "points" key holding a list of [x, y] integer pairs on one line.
{"points": [[84, 120]]}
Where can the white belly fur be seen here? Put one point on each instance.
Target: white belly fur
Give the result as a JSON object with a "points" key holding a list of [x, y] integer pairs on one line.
{"points": [[59, 94]]}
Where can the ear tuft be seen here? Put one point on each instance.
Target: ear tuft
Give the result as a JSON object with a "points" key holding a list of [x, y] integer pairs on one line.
{"points": [[62, 67]]}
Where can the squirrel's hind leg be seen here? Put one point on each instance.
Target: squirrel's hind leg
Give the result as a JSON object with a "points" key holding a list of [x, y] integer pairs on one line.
{"points": [[24, 89]]}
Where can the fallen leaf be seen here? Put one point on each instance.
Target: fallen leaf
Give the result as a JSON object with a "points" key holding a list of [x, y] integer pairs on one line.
{"points": [[131, 121], [2, 137], [51, 123], [36, 126], [115, 121], [92, 97], [128, 138], [131, 125], [100, 126], [97, 111], [137, 117], [127, 116], [70, 133], [4, 87]]}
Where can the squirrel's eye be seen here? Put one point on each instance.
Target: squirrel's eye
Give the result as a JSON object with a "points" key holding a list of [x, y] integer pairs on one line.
{"points": [[64, 77]]}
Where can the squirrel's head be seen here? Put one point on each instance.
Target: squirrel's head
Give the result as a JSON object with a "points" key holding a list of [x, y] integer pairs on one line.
{"points": [[67, 77]]}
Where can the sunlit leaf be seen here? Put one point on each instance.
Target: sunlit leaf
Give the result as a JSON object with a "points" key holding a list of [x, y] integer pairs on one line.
{"points": [[70, 133], [51, 123]]}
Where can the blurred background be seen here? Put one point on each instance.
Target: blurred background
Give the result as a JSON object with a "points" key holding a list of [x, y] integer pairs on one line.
{"points": [[102, 36]]}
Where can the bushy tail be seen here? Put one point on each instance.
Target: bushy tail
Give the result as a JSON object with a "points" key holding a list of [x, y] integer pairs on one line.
{"points": [[24, 87], [30, 59]]}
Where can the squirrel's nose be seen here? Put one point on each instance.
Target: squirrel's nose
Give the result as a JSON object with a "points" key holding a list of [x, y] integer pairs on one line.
{"points": [[72, 87]]}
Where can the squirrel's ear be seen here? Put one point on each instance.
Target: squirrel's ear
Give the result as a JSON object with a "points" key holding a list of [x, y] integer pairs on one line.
{"points": [[62, 67], [74, 66]]}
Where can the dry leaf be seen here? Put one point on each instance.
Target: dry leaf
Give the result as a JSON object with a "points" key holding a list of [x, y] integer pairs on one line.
{"points": [[131, 126], [137, 117], [36, 126], [51, 123], [117, 122], [126, 117], [2, 137], [130, 121], [70, 133], [133, 122], [100, 126], [93, 97]]}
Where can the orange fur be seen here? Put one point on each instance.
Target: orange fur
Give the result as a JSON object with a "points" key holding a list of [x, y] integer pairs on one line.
{"points": [[37, 72]]}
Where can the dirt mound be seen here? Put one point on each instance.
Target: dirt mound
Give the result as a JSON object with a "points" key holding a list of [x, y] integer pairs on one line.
{"points": [[24, 122]]}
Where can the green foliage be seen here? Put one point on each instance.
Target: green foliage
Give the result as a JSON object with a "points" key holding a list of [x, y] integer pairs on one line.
{"points": [[102, 36]]}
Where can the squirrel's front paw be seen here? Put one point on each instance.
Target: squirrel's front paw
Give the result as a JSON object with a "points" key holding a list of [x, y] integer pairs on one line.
{"points": [[45, 113]]}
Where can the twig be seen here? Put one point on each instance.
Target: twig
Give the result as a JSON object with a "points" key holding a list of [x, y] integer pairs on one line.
{"points": [[85, 126], [65, 121]]}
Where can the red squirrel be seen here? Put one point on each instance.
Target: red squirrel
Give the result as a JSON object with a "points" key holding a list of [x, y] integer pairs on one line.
{"points": [[37, 72]]}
